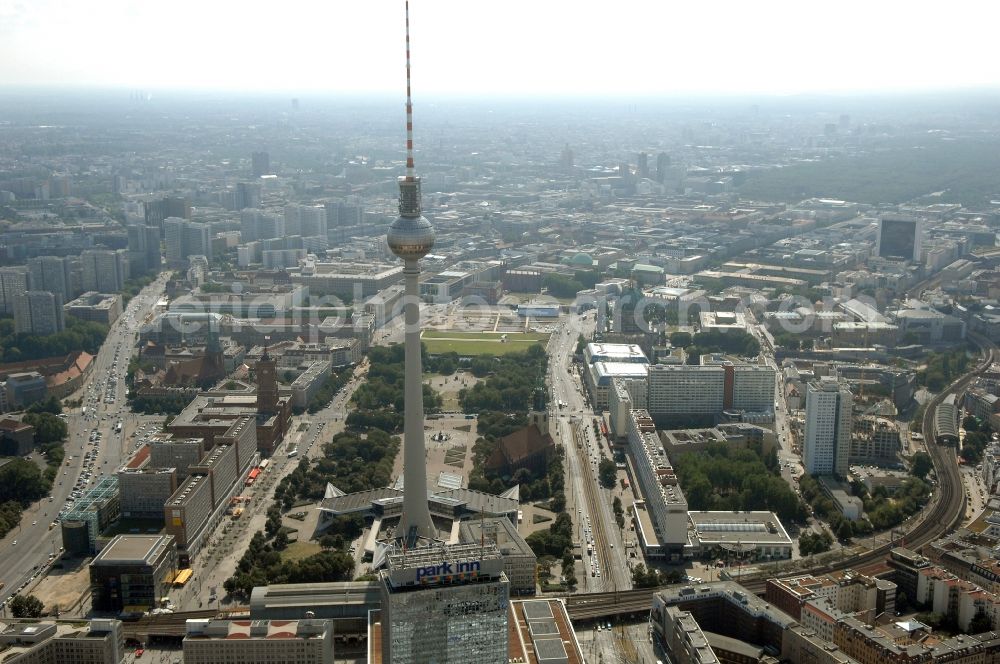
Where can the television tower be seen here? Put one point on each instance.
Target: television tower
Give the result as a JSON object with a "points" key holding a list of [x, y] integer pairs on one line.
{"points": [[411, 237]]}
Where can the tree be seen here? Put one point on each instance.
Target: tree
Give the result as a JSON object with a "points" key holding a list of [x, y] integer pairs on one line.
{"points": [[26, 606], [50, 405], [48, 427], [981, 622], [921, 465], [680, 339], [607, 472], [844, 531]]}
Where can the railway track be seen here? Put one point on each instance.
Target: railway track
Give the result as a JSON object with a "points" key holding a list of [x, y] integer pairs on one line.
{"points": [[174, 624], [944, 514]]}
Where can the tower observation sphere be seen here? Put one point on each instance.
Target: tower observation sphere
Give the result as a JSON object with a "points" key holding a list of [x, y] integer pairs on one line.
{"points": [[410, 236]]}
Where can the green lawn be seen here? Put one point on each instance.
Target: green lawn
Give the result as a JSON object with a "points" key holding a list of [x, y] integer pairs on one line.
{"points": [[511, 336], [466, 347], [480, 343], [300, 550]]}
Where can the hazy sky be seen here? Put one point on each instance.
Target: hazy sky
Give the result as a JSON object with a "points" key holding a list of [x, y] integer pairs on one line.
{"points": [[659, 47]]}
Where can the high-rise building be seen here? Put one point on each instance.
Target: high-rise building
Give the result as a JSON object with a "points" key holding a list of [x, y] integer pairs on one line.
{"points": [[681, 394], [662, 164], [260, 225], [900, 237], [445, 604], [104, 270], [157, 211], [247, 195], [261, 163], [828, 427], [144, 248], [643, 166], [186, 238], [51, 273], [13, 282], [305, 220], [38, 312]]}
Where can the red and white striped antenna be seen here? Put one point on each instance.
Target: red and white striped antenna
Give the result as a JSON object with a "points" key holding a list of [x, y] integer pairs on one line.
{"points": [[409, 103]]}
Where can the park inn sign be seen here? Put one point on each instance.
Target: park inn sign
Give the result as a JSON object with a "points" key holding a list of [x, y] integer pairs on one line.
{"points": [[448, 570]]}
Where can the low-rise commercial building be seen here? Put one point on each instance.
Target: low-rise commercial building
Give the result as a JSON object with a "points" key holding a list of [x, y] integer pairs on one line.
{"points": [[133, 572], [307, 641], [66, 642], [98, 307], [519, 560]]}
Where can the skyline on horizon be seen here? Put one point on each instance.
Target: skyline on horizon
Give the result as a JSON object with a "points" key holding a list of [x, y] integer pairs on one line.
{"points": [[558, 49]]}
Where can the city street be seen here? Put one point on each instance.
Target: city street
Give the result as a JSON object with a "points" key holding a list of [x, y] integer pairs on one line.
{"points": [[586, 502], [103, 407]]}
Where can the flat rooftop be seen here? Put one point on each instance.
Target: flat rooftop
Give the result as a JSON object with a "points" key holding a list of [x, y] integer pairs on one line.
{"points": [[135, 549], [742, 527]]}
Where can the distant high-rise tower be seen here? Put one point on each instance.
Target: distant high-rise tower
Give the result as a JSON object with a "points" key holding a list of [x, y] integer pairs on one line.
{"points": [[411, 237], [261, 163], [50, 273], [38, 312], [900, 237], [828, 427], [13, 282], [186, 238], [157, 211], [662, 164], [643, 166], [104, 270], [566, 158]]}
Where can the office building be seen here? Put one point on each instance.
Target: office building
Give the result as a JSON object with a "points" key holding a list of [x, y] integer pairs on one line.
{"points": [[260, 164], [38, 312], [65, 642], [187, 512], [133, 572], [682, 394], [259, 225], [144, 248], [305, 220], [24, 388], [104, 270], [828, 427], [51, 273], [900, 238], [542, 633], [168, 451], [186, 238], [662, 522], [156, 211], [145, 490], [98, 307], [13, 282], [92, 513], [519, 561], [308, 641], [444, 604]]}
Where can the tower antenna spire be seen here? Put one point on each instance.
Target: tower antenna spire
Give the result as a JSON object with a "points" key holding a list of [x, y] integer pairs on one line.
{"points": [[409, 103]]}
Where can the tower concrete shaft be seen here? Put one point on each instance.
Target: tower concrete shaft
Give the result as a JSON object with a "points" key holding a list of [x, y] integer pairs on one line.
{"points": [[416, 518]]}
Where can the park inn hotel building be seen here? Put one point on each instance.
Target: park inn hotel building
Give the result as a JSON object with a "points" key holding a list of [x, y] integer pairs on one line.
{"points": [[443, 603]]}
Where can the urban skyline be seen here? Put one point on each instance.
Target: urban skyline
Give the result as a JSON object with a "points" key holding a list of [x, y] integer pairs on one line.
{"points": [[561, 47]]}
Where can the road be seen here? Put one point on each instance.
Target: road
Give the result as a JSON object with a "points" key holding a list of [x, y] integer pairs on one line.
{"points": [[103, 392], [574, 430]]}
